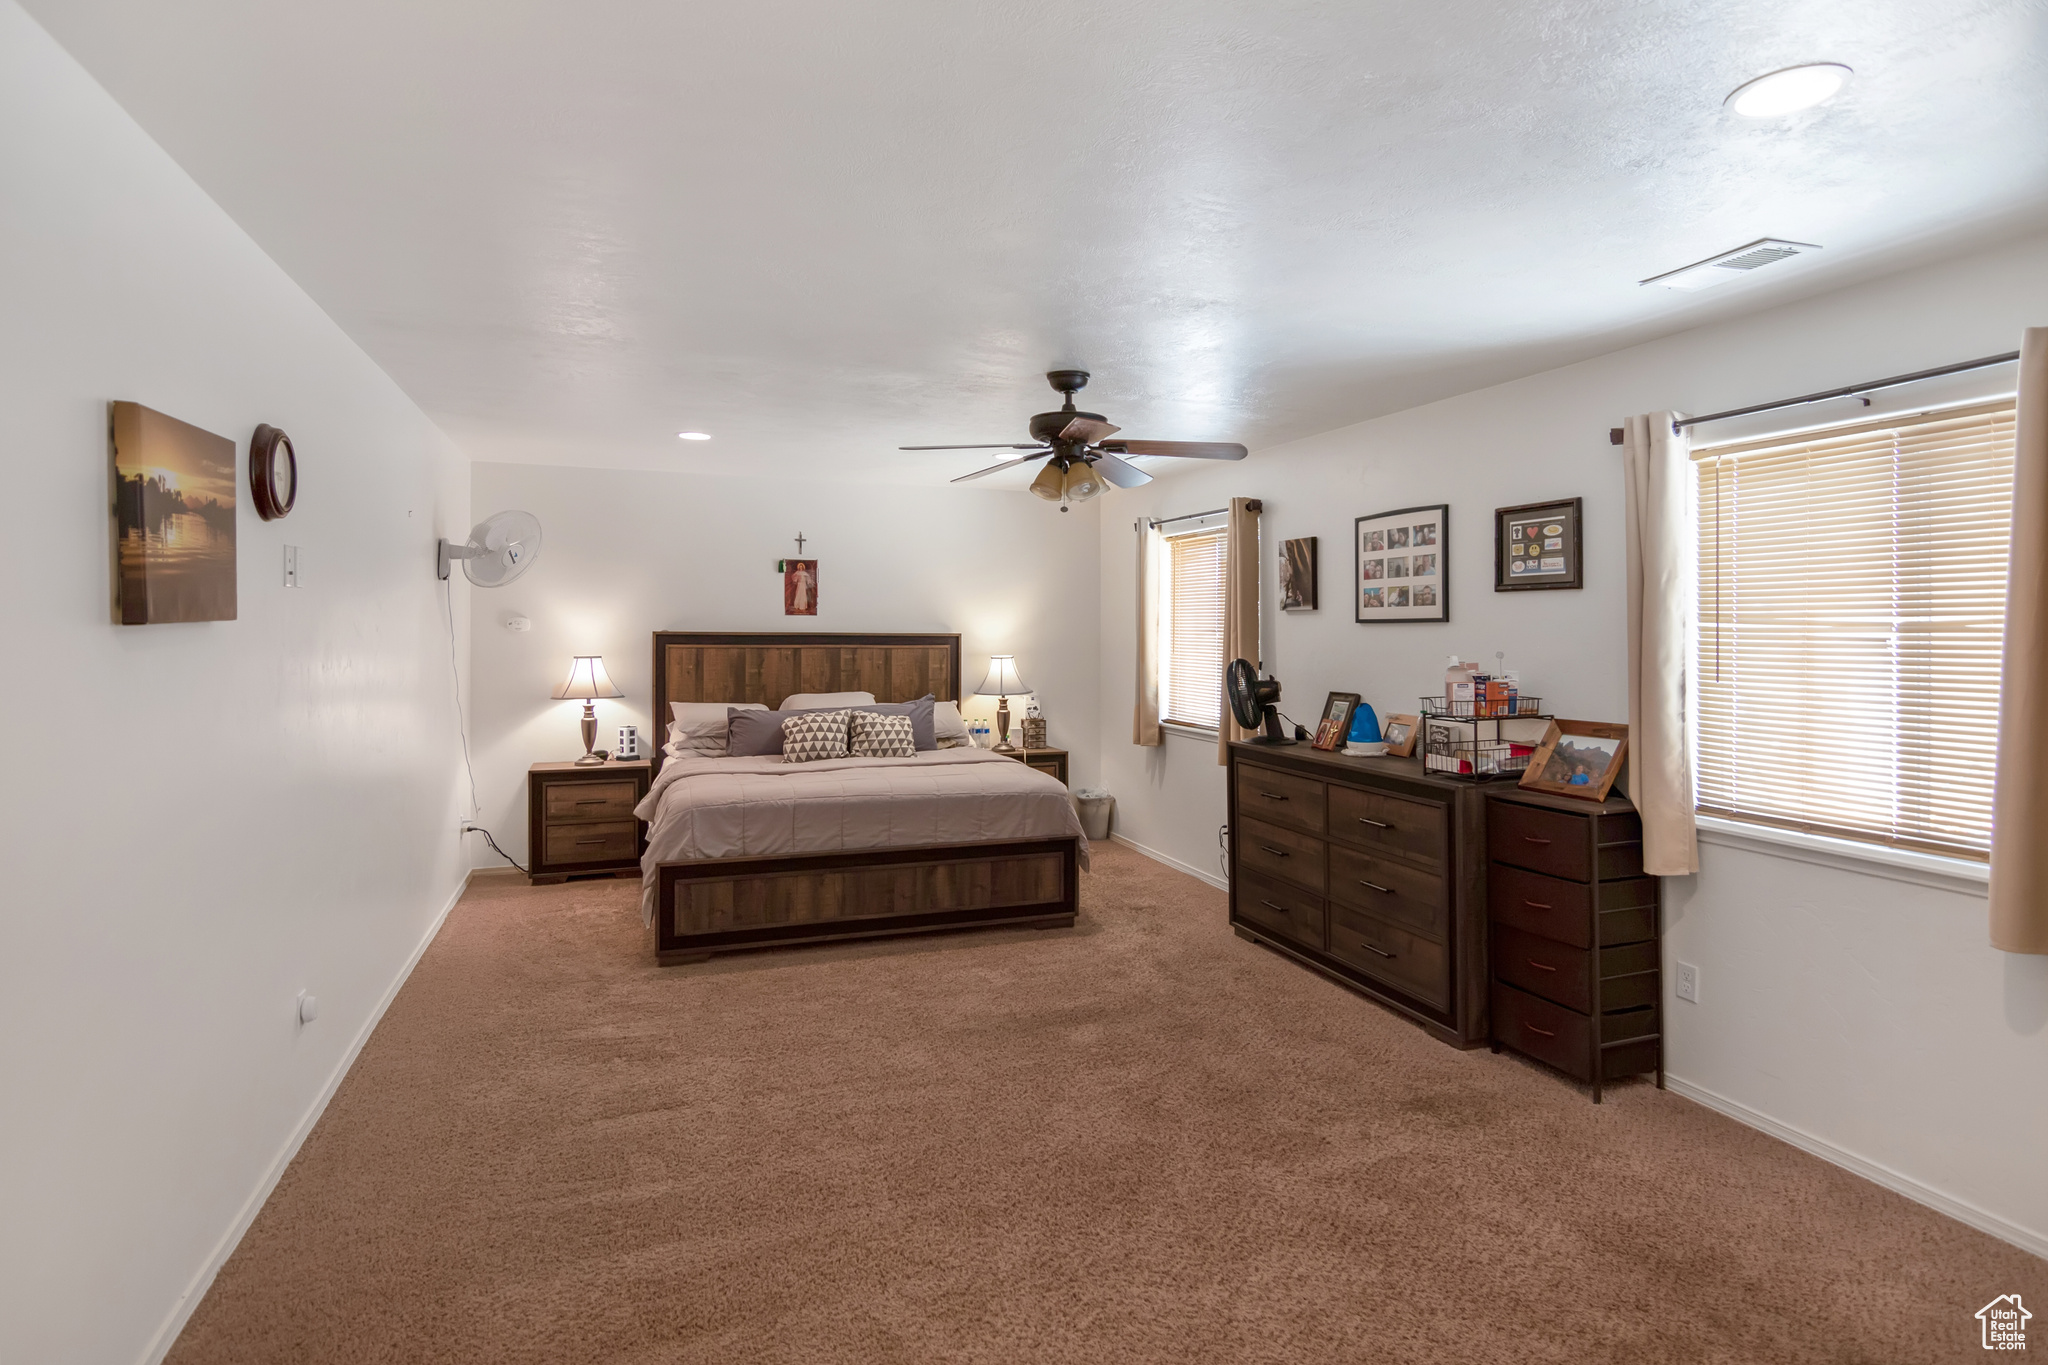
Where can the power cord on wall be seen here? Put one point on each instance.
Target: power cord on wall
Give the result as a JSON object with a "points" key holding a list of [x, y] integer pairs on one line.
{"points": [[462, 728]]}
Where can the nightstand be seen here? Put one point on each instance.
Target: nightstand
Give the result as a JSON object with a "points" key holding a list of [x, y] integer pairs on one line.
{"points": [[1051, 762], [579, 819]]}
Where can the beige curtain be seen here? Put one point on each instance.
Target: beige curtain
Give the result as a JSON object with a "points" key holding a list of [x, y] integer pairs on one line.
{"points": [[1151, 547], [2019, 799], [1663, 550], [1240, 606]]}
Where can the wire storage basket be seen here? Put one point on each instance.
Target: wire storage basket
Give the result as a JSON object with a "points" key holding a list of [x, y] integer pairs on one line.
{"points": [[1464, 738]]}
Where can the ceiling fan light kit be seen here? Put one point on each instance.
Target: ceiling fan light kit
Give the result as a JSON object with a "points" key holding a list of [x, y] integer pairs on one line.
{"points": [[1081, 460]]}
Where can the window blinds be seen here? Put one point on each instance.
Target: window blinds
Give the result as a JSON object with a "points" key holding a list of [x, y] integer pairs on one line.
{"points": [[1192, 689], [1852, 609]]}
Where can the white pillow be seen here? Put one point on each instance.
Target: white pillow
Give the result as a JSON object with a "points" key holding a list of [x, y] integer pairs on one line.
{"points": [[948, 727], [825, 701], [699, 726]]}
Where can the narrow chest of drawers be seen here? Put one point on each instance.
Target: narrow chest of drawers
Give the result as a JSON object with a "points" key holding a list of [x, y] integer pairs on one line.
{"points": [[580, 819], [1573, 936]]}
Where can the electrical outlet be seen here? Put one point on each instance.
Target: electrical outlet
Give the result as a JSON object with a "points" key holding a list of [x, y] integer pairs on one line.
{"points": [[291, 566], [1688, 982]]}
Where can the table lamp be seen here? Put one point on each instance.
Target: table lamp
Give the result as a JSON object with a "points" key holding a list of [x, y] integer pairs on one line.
{"points": [[587, 681], [1001, 681]]}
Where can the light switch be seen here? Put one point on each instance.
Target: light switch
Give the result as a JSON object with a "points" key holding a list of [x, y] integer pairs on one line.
{"points": [[291, 566]]}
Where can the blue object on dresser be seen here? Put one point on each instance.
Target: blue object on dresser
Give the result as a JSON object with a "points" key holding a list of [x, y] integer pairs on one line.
{"points": [[1365, 726]]}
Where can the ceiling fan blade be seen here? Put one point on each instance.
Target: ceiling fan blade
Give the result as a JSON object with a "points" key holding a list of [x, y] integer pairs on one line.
{"points": [[1000, 445], [1087, 430], [1186, 450], [999, 468], [1117, 472]]}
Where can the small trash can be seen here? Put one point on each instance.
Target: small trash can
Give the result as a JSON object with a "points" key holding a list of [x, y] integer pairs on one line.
{"points": [[1094, 807]]}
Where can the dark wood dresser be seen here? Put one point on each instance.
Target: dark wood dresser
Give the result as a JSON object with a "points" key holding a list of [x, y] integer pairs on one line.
{"points": [[1575, 947], [1368, 870], [579, 819]]}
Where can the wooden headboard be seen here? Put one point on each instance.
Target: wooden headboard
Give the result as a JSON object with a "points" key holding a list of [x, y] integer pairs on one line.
{"points": [[765, 668]]}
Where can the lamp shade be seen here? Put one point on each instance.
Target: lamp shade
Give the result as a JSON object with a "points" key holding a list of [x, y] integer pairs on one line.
{"points": [[1002, 679], [587, 680]]}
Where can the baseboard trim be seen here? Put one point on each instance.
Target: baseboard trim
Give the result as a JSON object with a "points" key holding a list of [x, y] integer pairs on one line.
{"points": [[1176, 864], [2026, 1239], [181, 1312]]}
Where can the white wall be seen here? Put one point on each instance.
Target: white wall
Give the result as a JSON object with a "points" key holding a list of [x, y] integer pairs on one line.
{"points": [[201, 819], [1866, 1012], [627, 553]]}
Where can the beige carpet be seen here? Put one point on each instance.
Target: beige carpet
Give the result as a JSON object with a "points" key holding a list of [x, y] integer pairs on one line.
{"points": [[1142, 1139]]}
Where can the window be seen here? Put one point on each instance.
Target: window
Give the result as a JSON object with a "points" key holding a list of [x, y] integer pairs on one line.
{"points": [[1852, 619], [1191, 629]]}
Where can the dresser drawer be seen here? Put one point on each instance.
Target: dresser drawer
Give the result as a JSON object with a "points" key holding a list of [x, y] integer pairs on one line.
{"points": [[1549, 1033], [1376, 820], [1389, 890], [1281, 798], [589, 843], [1283, 852], [1389, 953], [1268, 905], [1541, 840], [589, 800], [1556, 972], [1540, 905]]}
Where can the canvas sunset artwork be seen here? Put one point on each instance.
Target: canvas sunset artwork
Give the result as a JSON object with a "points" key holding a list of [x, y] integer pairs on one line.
{"points": [[174, 519]]}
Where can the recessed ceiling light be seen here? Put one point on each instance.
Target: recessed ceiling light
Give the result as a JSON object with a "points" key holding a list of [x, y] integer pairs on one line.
{"points": [[694, 435], [1731, 265], [1788, 91]]}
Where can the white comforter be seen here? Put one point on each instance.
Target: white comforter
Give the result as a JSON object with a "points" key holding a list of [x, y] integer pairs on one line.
{"points": [[764, 807]]}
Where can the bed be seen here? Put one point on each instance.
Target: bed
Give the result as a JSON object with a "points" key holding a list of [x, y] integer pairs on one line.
{"points": [[747, 853]]}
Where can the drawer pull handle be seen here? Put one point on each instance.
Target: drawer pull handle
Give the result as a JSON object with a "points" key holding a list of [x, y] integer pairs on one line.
{"points": [[1371, 949], [590, 841], [1532, 839], [1270, 906], [596, 801], [1376, 886], [1376, 824], [1536, 905], [1276, 852], [1273, 796], [1541, 966], [1544, 1031]]}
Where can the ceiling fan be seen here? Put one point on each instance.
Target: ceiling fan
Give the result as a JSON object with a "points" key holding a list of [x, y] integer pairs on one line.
{"points": [[1084, 459]]}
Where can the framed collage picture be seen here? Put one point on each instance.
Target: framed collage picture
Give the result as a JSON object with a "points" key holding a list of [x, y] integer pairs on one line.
{"points": [[1402, 568], [1537, 546]]}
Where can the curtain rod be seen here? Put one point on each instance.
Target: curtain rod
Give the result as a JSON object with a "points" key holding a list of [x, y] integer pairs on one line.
{"points": [[1253, 506], [1615, 434]]}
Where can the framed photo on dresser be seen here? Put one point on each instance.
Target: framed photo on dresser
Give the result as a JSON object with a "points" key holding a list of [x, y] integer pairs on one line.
{"points": [[1402, 565]]}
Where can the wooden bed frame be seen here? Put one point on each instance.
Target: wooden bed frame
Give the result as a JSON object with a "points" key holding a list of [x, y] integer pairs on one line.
{"points": [[716, 905]]}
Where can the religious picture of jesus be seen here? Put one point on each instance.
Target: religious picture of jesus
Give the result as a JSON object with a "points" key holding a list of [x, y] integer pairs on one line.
{"points": [[799, 587]]}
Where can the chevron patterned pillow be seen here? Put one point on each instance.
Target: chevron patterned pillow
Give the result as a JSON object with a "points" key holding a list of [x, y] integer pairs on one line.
{"points": [[813, 735], [876, 735]]}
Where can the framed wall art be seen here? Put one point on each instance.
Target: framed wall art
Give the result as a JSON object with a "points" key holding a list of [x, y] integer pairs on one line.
{"points": [[174, 519], [1578, 758], [1537, 546], [1298, 574], [799, 586], [1403, 565]]}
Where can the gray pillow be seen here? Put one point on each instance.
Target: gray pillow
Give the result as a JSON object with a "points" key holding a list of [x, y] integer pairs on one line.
{"points": [[758, 734]]}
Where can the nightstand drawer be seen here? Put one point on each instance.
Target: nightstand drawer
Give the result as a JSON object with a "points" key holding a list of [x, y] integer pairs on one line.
{"points": [[1282, 852], [1282, 798], [592, 843], [590, 800], [1054, 768], [1403, 960]]}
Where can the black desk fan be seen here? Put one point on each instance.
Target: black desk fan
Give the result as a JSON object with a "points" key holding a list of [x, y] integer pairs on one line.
{"points": [[1255, 701]]}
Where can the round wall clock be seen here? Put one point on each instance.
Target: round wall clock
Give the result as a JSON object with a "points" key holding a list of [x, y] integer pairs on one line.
{"points": [[273, 472]]}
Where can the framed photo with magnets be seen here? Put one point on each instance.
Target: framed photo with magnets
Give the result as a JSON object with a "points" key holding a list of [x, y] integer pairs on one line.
{"points": [[1401, 568], [1538, 546]]}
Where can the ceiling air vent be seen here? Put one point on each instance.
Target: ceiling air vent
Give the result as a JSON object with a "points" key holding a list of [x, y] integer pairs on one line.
{"points": [[1731, 265]]}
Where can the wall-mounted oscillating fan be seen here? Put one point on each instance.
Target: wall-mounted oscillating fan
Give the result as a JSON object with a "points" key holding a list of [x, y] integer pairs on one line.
{"points": [[1255, 701], [498, 551]]}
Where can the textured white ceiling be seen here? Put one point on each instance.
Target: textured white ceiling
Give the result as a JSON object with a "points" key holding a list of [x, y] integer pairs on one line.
{"points": [[822, 230]]}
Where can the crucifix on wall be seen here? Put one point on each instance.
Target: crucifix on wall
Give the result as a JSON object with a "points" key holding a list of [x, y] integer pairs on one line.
{"points": [[799, 583]]}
